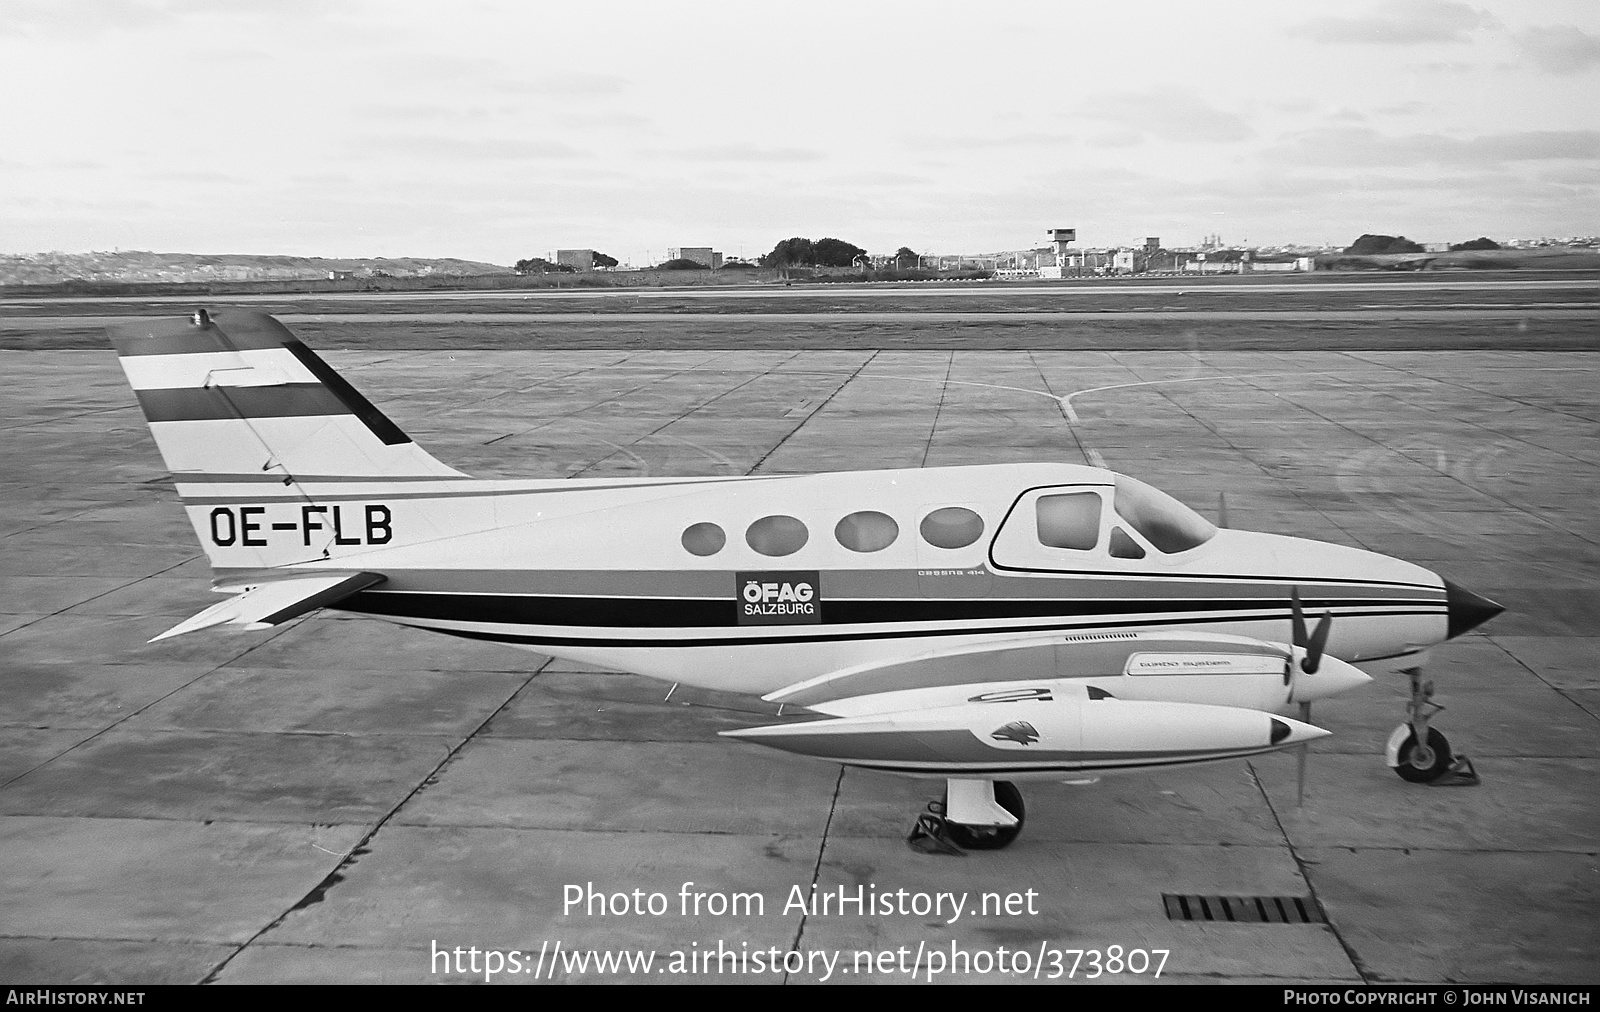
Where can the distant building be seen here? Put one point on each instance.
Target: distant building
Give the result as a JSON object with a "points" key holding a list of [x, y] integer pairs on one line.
{"points": [[578, 259], [699, 254], [341, 275]]}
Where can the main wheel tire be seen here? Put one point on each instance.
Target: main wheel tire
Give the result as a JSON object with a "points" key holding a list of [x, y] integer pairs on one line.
{"points": [[991, 837], [1422, 765]]}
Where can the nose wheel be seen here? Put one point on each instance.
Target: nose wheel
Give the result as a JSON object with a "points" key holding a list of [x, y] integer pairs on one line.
{"points": [[938, 832], [1419, 752]]}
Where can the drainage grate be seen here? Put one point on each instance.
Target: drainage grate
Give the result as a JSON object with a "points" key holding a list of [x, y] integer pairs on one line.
{"points": [[1257, 909]]}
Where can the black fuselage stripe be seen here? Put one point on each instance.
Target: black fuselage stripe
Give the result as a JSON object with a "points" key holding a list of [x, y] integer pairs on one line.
{"points": [[679, 613], [538, 640]]}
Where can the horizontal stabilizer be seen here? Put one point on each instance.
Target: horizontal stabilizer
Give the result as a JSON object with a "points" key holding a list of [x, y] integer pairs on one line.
{"points": [[265, 604]]}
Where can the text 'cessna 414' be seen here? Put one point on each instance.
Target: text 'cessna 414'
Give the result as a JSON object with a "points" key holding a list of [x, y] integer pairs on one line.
{"points": [[979, 624]]}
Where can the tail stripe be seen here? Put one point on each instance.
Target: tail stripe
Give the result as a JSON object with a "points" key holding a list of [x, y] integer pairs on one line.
{"points": [[194, 404], [351, 398]]}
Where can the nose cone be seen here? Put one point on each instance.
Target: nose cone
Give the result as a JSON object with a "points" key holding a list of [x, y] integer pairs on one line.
{"points": [[1467, 610], [1332, 678], [1287, 732]]}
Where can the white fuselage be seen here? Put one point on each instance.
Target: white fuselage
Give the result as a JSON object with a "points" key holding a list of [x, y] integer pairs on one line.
{"points": [[629, 575]]}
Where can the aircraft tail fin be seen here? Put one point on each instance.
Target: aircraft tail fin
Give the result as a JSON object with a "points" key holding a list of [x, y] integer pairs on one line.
{"points": [[235, 394]]}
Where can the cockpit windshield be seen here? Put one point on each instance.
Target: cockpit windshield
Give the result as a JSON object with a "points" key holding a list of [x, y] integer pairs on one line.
{"points": [[1165, 522]]}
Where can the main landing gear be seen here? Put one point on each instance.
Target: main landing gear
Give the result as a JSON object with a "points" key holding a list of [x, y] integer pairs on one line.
{"points": [[1419, 752], [974, 815]]}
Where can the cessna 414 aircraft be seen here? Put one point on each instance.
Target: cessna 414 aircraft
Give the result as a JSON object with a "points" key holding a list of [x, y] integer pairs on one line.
{"points": [[977, 624]]}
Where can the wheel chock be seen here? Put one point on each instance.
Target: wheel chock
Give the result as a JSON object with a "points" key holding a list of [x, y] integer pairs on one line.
{"points": [[1460, 773], [931, 834]]}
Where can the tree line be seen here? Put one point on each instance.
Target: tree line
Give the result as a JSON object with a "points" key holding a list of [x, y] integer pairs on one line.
{"points": [[797, 251]]}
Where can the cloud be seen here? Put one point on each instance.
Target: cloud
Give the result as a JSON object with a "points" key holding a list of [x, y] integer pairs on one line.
{"points": [[192, 177], [1559, 49], [567, 86], [971, 142], [418, 112], [78, 19], [606, 121], [1359, 146], [1400, 23], [743, 153], [432, 146], [1170, 117], [1116, 139], [1404, 109]]}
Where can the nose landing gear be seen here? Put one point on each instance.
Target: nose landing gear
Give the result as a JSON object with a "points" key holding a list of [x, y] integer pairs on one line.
{"points": [[991, 814], [1420, 753]]}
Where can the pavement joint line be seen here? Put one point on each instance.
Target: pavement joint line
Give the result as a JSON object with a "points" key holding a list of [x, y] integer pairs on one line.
{"points": [[127, 716], [933, 430], [60, 418], [335, 875], [547, 381], [1309, 507], [645, 467], [614, 397], [1305, 873], [1468, 421], [1062, 406], [1225, 378], [816, 869], [176, 729], [1442, 473], [1529, 669], [1050, 843], [824, 403], [91, 600], [1358, 356]]}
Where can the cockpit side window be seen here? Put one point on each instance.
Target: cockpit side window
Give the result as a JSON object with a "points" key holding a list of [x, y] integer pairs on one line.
{"points": [[1163, 521], [1123, 546], [1069, 521]]}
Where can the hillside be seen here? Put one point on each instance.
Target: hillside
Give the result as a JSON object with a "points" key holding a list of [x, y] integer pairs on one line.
{"points": [[1542, 258], [141, 266]]}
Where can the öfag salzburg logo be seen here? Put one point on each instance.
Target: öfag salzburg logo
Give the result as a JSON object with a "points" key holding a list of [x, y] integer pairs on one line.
{"points": [[788, 598]]}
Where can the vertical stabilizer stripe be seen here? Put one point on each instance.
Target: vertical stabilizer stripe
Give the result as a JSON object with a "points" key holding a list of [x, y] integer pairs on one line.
{"points": [[356, 404], [191, 404]]}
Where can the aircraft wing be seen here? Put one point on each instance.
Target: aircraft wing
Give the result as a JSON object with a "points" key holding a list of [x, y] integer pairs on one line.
{"points": [[271, 601]]}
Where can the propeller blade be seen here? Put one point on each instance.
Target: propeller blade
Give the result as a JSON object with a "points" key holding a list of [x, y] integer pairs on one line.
{"points": [[1297, 619], [1222, 509], [1319, 641]]}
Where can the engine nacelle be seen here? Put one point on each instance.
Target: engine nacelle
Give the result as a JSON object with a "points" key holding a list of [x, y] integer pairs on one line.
{"points": [[1066, 729]]}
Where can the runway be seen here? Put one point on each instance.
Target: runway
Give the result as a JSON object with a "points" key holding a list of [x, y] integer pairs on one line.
{"points": [[1581, 312], [1064, 290], [326, 800]]}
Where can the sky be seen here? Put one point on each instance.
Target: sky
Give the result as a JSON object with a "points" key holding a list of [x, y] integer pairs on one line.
{"points": [[498, 131]]}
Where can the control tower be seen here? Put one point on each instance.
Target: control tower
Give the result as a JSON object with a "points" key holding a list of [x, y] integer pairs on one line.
{"points": [[1059, 237]]}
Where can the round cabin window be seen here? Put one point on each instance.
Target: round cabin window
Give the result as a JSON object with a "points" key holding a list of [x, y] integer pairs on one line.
{"points": [[777, 535], [952, 527], [704, 539], [867, 531]]}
